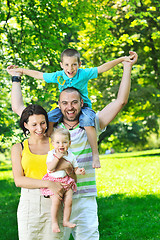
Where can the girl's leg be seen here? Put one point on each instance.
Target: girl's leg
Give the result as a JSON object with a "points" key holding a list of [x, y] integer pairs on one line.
{"points": [[54, 213], [67, 209], [92, 138]]}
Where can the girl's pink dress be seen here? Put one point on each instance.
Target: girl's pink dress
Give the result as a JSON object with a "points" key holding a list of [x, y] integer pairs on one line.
{"points": [[70, 183]]}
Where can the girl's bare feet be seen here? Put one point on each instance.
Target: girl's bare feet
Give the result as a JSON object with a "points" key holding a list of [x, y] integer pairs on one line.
{"points": [[68, 224], [55, 227]]}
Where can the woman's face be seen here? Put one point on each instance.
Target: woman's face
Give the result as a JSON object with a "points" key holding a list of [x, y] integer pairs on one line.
{"points": [[36, 125]]}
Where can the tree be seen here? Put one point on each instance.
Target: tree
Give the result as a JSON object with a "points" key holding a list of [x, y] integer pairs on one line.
{"points": [[34, 33]]}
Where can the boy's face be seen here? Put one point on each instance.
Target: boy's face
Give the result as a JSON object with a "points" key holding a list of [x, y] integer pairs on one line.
{"points": [[70, 66], [61, 143]]}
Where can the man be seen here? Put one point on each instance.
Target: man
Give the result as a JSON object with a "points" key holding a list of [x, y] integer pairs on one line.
{"points": [[84, 208]]}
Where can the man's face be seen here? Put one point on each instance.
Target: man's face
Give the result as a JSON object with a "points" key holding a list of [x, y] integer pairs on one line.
{"points": [[70, 66], [70, 105]]}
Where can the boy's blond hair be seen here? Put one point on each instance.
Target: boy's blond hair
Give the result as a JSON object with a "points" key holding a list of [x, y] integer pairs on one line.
{"points": [[61, 131]]}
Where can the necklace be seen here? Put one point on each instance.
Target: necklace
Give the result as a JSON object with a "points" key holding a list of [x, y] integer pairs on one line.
{"points": [[71, 127]]}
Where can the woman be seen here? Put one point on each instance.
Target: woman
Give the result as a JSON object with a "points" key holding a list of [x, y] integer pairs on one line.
{"points": [[29, 166]]}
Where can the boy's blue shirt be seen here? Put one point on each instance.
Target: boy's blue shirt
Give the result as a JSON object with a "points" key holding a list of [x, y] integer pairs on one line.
{"points": [[79, 81]]}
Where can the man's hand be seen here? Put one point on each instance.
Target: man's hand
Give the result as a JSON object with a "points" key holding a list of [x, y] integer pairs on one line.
{"points": [[133, 58]]}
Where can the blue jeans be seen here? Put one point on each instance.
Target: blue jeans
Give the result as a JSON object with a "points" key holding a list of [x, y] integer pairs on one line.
{"points": [[86, 118]]}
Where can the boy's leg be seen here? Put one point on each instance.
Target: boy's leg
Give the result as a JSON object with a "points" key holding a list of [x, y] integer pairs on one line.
{"points": [[54, 213], [54, 116], [67, 209], [92, 138], [87, 121]]}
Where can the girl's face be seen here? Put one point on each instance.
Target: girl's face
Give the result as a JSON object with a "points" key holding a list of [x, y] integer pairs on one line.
{"points": [[61, 143], [36, 125]]}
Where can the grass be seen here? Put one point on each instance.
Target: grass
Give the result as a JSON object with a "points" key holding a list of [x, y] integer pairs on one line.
{"points": [[128, 197], [9, 196]]}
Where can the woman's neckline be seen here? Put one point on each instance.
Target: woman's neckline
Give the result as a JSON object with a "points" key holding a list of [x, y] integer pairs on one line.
{"points": [[28, 145]]}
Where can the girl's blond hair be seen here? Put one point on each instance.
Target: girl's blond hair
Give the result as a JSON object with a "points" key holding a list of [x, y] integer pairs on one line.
{"points": [[61, 131]]}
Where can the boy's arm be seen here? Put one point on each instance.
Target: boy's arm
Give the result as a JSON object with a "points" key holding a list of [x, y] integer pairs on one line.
{"points": [[23, 71], [31, 73], [106, 66]]}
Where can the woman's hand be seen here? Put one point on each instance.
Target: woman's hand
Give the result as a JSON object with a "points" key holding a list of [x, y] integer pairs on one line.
{"points": [[57, 189]]}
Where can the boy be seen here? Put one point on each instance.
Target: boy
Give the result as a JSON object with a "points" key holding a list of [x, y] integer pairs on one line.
{"points": [[73, 76]]}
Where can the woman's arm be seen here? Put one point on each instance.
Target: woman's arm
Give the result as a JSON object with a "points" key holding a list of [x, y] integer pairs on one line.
{"points": [[26, 182]]}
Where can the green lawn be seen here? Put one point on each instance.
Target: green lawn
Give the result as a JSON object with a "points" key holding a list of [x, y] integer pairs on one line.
{"points": [[128, 197]]}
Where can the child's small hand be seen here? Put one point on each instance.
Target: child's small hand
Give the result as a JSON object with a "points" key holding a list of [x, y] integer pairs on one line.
{"points": [[128, 58], [80, 171], [59, 155], [133, 58], [14, 70]]}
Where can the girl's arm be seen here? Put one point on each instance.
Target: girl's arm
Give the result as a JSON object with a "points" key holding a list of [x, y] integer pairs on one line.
{"points": [[53, 160], [26, 182]]}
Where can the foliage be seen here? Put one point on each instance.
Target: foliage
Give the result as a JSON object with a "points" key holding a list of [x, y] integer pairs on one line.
{"points": [[34, 33]]}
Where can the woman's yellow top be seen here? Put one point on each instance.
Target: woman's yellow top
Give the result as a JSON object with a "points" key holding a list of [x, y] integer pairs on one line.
{"points": [[34, 166]]}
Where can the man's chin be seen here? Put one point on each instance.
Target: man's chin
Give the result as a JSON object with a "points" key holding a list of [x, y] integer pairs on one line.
{"points": [[70, 119]]}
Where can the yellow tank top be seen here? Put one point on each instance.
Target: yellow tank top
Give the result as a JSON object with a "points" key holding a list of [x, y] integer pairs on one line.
{"points": [[34, 166]]}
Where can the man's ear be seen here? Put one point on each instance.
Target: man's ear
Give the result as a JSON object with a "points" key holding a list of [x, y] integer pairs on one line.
{"points": [[61, 64], [59, 104], [82, 102]]}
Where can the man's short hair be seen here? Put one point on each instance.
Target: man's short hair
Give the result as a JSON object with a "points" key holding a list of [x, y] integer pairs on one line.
{"points": [[69, 90], [70, 53]]}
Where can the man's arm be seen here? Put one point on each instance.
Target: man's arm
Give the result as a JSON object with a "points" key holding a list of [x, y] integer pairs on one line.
{"points": [[106, 66], [107, 114], [17, 99], [16, 93]]}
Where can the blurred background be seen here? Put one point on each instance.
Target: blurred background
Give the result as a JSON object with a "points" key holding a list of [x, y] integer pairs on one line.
{"points": [[33, 33]]}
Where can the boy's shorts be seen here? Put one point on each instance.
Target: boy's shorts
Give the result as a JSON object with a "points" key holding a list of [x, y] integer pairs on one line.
{"points": [[86, 118]]}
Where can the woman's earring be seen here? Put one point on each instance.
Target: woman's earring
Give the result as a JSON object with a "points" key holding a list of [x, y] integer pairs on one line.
{"points": [[27, 132]]}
